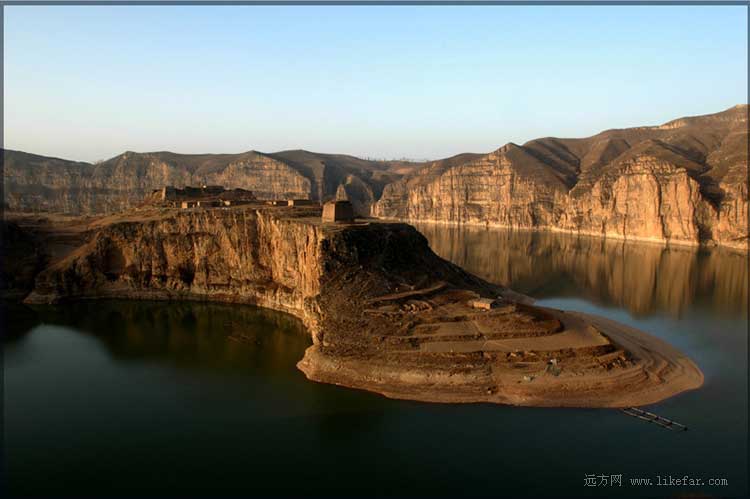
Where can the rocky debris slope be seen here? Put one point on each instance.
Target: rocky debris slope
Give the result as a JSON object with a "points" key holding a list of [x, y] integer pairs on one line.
{"points": [[385, 313], [684, 181]]}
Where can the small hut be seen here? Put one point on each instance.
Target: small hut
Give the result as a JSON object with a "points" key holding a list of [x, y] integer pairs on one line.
{"points": [[338, 211], [299, 202], [484, 303]]}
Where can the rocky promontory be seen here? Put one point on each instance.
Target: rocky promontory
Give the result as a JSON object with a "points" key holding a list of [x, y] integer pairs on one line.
{"points": [[385, 313]]}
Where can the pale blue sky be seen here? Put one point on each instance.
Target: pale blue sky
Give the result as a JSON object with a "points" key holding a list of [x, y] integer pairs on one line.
{"points": [[421, 82]]}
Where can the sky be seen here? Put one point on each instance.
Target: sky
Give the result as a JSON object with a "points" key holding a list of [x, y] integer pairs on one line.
{"points": [[88, 83]]}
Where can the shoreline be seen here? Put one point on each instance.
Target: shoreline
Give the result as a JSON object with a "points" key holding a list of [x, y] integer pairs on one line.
{"points": [[673, 370], [385, 313], [743, 248], [661, 372]]}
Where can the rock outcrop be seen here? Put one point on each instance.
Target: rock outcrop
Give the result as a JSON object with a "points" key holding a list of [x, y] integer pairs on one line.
{"points": [[682, 182], [385, 313]]}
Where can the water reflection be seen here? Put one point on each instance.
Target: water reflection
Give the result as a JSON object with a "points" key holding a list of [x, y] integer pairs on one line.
{"points": [[187, 334], [644, 278]]}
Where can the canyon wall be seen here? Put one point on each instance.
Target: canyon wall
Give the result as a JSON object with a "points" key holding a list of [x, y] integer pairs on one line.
{"points": [[246, 256], [279, 258], [44, 184], [385, 313], [683, 182], [36, 183]]}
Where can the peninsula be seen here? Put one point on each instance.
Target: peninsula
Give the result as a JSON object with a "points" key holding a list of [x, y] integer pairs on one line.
{"points": [[385, 313]]}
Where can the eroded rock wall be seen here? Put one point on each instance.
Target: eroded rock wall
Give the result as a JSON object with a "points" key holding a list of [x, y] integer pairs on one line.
{"points": [[36, 183], [247, 256], [682, 182], [645, 198]]}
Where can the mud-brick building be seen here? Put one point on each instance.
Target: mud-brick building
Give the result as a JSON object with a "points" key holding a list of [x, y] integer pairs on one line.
{"points": [[300, 202], [338, 211]]}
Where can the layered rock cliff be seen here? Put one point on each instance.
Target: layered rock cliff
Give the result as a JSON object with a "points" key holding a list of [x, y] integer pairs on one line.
{"points": [[39, 183], [224, 255], [684, 182], [279, 258], [385, 313]]}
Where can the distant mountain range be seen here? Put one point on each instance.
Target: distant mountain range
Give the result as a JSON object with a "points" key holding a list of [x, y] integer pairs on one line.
{"points": [[683, 181]]}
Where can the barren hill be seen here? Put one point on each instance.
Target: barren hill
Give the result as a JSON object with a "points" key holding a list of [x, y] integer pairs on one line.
{"points": [[684, 181], [39, 183]]}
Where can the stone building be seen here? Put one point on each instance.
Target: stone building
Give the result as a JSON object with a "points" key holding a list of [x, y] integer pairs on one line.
{"points": [[484, 303], [338, 211], [300, 202]]}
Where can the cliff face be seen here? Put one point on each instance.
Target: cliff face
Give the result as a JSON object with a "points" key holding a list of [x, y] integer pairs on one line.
{"points": [[385, 313], [279, 258], [685, 181], [226, 255], [38, 183]]}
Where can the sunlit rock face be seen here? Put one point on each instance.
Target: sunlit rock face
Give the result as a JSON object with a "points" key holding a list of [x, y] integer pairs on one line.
{"points": [[36, 182], [683, 182], [39, 183]]}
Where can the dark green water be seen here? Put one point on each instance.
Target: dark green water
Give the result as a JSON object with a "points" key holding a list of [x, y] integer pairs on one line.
{"points": [[129, 398]]}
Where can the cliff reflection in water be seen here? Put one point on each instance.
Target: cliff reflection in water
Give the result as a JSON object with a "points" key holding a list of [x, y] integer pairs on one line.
{"points": [[211, 336], [641, 277]]}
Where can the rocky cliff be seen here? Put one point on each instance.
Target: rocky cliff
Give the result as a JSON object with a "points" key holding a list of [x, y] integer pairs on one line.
{"points": [[385, 313], [279, 258], [684, 181], [223, 255], [39, 183]]}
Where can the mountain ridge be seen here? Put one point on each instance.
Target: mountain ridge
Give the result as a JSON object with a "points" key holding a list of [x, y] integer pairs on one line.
{"points": [[574, 184]]}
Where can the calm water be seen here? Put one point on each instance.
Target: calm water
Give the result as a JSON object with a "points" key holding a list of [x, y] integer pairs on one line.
{"points": [[194, 399]]}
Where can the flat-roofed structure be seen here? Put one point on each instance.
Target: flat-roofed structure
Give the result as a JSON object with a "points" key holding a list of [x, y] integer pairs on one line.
{"points": [[209, 196], [300, 202], [338, 211], [484, 303]]}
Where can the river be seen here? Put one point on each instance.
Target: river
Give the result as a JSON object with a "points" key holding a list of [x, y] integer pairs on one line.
{"points": [[150, 398]]}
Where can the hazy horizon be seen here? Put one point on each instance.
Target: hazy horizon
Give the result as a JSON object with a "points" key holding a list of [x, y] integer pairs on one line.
{"points": [[379, 82]]}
